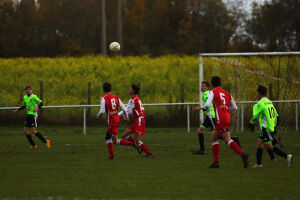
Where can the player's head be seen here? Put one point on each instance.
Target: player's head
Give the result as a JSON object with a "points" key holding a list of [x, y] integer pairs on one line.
{"points": [[204, 86], [28, 90], [106, 87], [215, 81], [134, 90], [262, 91]]}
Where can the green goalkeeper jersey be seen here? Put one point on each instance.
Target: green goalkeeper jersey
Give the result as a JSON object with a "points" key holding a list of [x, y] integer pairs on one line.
{"points": [[31, 102], [266, 113], [209, 112]]}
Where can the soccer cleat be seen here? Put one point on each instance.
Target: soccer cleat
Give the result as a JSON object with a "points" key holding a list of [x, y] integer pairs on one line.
{"points": [[257, 166], [214, 165], [111, 158], [137, 147], [202, 152], [33, 147], [274, 160], [245, 159], [150, 156], [289, 160], [48, 144]]}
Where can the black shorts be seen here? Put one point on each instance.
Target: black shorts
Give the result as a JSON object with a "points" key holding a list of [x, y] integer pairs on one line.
{"points": [[209, 123], [31, 121], [266, 136]]}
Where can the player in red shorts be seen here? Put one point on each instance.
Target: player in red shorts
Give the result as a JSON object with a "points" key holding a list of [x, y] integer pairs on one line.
{"points": [[110, 104], [135, 107], [223, 103]]}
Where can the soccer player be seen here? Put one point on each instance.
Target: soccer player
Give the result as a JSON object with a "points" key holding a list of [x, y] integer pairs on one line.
{"points": [[265, 112], [32, 103], [135, 107], [110, 104], [223, 104], [209, 121]]}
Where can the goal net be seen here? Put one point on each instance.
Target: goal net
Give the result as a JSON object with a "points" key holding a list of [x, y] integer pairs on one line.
{"points": [[241, 73]]}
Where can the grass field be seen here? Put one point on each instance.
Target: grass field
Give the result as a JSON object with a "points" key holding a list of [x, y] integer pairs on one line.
{"points": [[77, 167]]}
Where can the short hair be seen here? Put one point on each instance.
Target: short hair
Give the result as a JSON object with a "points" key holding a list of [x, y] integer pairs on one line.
{"points": [[206, 83], [262, 90], [215, 81], [136, 88], [28, 87], [106, 87]]}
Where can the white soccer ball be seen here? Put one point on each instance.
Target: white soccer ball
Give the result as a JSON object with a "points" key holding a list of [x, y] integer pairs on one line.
{"points": [[114, 46]]}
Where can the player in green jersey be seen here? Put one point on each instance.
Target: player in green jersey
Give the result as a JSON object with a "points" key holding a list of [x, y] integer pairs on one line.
{"points": [[32, 103], [265, 112], [209, 121]]}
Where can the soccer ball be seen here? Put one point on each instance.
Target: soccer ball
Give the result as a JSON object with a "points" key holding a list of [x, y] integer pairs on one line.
{"points": [[114, 46]]}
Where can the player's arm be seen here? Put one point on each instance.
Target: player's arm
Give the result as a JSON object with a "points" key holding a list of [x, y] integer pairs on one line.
{"points": [[209, 101], [21, 108], [256, 111], [124, 110], [129, 109], [232, 106], [102, 108], [38, 102]]}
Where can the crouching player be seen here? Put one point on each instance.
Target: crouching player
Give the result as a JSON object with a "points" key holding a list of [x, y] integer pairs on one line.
{"points": [[135, 107]]}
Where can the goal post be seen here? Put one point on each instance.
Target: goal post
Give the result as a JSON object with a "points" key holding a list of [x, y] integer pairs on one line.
{"points": [[242, 72]]}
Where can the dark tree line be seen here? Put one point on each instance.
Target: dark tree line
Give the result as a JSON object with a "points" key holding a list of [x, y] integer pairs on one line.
{"points": [[72, 27]]}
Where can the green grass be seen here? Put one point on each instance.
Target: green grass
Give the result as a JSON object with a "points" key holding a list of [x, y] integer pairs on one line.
{"points": [[77, 167]]}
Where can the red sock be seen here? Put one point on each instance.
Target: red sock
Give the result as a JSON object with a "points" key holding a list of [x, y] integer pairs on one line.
{"points": [[124, 142], [144, 148], [215, 151], [235, 147], [110, 148], [129, 138]]}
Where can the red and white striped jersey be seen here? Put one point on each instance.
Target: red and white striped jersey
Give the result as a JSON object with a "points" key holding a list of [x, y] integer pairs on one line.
{"points": [[223, 103], [110, 104]]}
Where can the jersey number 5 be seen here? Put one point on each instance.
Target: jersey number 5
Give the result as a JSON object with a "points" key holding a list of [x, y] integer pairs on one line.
{"points": [[222, 97]]}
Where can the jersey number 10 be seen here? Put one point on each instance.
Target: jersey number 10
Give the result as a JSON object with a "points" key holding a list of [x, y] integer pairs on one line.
{"points": [[271, 112]]}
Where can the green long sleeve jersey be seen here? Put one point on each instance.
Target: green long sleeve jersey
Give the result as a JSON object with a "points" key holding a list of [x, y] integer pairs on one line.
{"points": [[31, 102], [209, 112], [266, 113]]}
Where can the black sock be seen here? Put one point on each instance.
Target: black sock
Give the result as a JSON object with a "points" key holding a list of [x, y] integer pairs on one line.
{"points": [[29, 138], [279, 152], [271, 154], [40, 137], [275, 141], [201, 141], [259, 152]]}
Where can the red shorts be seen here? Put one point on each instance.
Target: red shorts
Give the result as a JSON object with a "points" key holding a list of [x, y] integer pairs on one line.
{"points": [[139, 126], [222, 128], [113, 131]]}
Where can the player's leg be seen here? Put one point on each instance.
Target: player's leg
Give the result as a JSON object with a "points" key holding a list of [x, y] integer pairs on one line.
{"points": [[109, 143], [259, 152], [29, 138], [200, 132], [142, 145], [215, 149], [126, 134], [139, 131], [235, 147], [39, 135], [118, 141]]}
